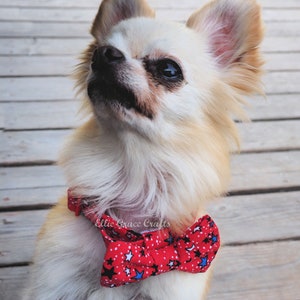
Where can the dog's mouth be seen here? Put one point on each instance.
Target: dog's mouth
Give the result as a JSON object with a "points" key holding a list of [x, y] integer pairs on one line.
{"points": [[116, 97]]}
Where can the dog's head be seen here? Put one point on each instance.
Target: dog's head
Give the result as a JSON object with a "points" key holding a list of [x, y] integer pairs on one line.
{"points": [[154, 77], [167, 92]]}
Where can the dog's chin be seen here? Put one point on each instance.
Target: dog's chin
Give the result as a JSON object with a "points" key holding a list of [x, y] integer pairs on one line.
{"points": [[115, 101]]}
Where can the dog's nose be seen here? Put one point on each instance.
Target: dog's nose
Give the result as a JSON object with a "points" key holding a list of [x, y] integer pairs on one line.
{"points": [[106, 55]]}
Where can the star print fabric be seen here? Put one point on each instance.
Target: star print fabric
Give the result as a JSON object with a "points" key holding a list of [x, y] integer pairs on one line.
{"points": [[131, 256]]}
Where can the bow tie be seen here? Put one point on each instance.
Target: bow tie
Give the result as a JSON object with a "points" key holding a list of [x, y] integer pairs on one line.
{"points": [[132, 256]]}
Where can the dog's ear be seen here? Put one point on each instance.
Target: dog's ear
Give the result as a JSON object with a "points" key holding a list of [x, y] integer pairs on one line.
{"points": [[111, 12], [234, 31]]}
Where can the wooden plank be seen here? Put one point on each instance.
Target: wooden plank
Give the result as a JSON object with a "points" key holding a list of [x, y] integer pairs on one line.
{"points": [[282, 15], [247, 219], [81, 30], [32, 147], [261, 217], [2, 117], [31, 177], [154, 3], [39, 14], [35, 115], [282, 82], [36, 89], [262, 271], [74, 46], [50, 4], [18, 230], [12, 282], [37, 65], [265, 171], [258, 272], [282, 61], [250, 213], [43, 29], [270, 136], [281, 44], [274, 107], [282, 29], [41, 115], [30, 198], [251, 172], [40, 147], [43, 46], [63, 65], [76, 14], [61, 88]]}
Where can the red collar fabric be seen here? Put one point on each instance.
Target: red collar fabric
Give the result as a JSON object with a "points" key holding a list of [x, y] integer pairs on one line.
{"points": [[132, 256]]}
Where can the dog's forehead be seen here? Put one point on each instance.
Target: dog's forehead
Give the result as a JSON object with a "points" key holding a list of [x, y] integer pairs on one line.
{"points": [[144, 36]]}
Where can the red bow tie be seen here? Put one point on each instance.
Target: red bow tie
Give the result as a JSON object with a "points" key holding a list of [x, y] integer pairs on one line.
{"points": [[132, 256]]}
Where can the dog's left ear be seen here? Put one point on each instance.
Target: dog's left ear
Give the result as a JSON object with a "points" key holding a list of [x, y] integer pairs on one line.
{"points": [[111, 12], [234, 31]]}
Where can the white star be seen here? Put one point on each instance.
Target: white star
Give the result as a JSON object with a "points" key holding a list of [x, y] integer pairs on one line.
{"points": [[127, 271], [198, 228], [191, 248], [171, 263], [129, 256]]}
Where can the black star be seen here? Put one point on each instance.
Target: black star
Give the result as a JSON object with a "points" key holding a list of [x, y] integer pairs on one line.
{"points": [[142, 252], [197, 253], [110, 261], [109, 272], [148, 236], [169, 240], [155, 267], [211, 224], [206, 240], [186, 239]]}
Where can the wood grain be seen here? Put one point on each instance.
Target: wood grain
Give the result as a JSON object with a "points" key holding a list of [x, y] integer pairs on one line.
{"points": [[156, 3], [39, 43], [65, 65], [241, 272], [42, 147], [77, 14], [65, 114], [61, 88], [251, 172]]}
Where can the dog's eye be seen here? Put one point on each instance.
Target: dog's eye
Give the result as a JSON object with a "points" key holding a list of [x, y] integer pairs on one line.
{"points": [[169, 69], [165, 71]]}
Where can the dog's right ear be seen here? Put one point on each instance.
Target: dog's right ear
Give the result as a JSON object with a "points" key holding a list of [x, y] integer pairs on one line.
{"points": [[111, 12]]}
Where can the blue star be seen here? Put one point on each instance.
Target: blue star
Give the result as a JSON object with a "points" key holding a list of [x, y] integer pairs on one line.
{"points": [[203, 262], [214, 239], [138, 275]]}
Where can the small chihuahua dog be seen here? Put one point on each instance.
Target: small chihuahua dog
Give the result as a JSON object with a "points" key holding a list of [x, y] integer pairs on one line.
{"points": [[161, 97]]}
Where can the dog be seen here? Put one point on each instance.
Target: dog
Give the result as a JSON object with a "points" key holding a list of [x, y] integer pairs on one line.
{"points": [[161, 97]]}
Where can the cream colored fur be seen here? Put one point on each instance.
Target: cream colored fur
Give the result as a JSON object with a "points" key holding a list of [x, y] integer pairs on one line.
{"points": [[165, 168]]}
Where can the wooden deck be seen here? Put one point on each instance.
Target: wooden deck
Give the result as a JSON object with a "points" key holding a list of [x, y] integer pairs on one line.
{"points": [[259, 221]]}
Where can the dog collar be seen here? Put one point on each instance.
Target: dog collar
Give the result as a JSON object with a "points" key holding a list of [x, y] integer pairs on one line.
{"points": [[132, 256]]}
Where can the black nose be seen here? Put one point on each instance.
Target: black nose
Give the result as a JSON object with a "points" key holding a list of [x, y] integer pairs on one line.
{"points": [[106, 55]]}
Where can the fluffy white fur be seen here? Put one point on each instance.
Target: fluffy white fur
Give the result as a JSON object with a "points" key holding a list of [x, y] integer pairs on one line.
{"points": [[165, 168]]}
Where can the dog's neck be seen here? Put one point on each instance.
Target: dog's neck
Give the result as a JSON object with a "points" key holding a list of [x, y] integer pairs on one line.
{"points": [[135, 181]]}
